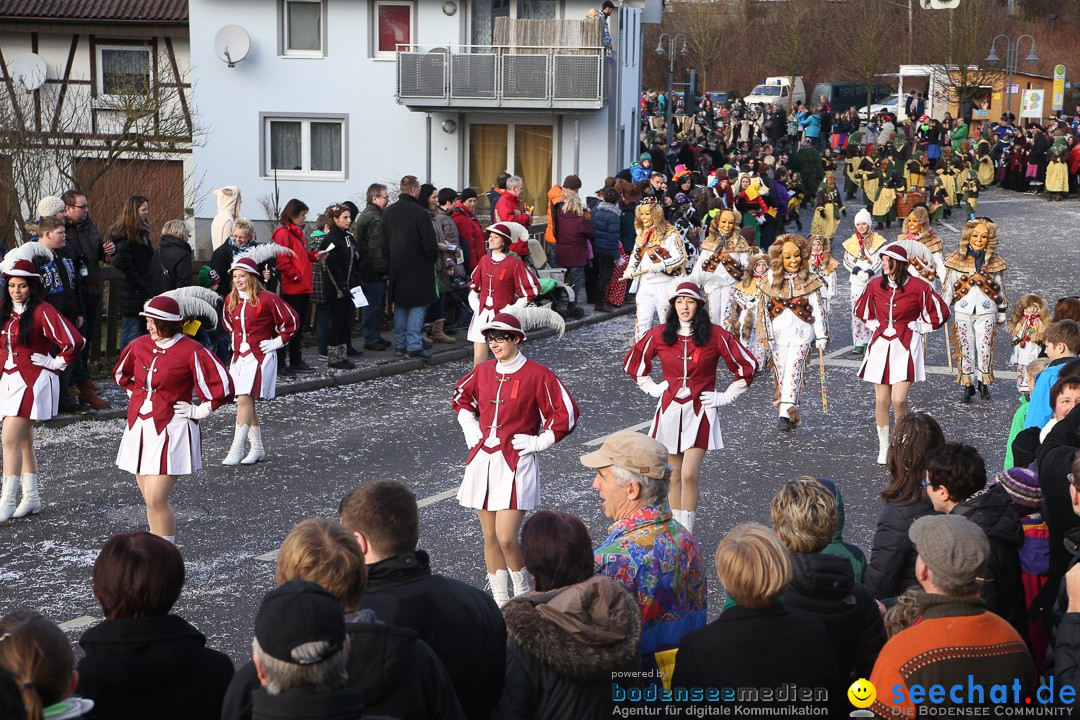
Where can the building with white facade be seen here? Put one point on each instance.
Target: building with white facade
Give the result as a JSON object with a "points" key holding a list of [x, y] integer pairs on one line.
{"points": [[336, 94]]}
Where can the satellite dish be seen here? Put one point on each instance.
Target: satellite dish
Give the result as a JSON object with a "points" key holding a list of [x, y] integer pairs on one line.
{"points": [[29, 71], [231, 44]]}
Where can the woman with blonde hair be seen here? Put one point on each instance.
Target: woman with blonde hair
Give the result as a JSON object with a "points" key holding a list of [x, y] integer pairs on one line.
{"points": [[38, 655], [261, 323], [757, 641], [573, 243]]}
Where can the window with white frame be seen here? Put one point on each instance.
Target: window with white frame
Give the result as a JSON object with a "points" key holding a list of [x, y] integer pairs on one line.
{"points": [[303, 28], [310, 147], [123, 70], [392, 24]]}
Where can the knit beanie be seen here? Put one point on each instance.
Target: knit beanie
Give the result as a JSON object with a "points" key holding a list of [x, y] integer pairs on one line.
{"points": [[864, 216], [208, 276], [1022, 484], [49, 206], [467, 194], [645, 156]]}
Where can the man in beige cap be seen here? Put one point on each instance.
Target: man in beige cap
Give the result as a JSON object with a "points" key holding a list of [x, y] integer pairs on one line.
{"points": [[956, 643], [647, 551]]}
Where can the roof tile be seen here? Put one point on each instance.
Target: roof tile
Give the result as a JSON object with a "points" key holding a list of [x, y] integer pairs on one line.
{"points": [[123, 11]]}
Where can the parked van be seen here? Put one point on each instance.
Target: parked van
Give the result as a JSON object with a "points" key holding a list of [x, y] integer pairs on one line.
{"points": [[844, 95], [778, 89]]}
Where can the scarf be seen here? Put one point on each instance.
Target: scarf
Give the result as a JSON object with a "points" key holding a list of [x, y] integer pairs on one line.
{"points": [[979, 257]]}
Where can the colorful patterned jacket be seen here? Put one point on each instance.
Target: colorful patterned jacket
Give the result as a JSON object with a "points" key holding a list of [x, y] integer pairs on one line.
{"points": [[659, 562]]}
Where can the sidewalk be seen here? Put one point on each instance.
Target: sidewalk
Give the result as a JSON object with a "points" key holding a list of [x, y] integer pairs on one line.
{"points": [[370, 366]]}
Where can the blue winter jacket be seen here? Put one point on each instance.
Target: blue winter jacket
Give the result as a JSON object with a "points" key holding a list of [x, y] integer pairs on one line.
{"points": [[639, 172], [605, 221], [1039, 410], [812, 125]]}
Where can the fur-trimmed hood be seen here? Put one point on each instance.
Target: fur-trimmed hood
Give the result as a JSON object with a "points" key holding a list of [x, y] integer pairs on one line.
{"points": [[583, 631]]}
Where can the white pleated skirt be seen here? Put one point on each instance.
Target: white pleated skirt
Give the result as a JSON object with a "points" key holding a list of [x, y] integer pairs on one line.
{"points": [[250, 377], [490, 484], [888, 362], [177, 450], [40, 402]]}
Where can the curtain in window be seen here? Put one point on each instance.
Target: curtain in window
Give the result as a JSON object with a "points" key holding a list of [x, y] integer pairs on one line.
{"points": [[305, 32], [124, 71], [481, 23], [326, 146], [532, 161], [285, 146], [536, 9], [487, 158], [395, 26]]}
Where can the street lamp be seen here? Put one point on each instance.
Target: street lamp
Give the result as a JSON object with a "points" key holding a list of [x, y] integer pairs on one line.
{"points": [[670, 53], [1012, 55]]}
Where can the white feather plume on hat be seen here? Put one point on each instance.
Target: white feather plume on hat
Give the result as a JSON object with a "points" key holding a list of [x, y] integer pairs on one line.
{"points": [[205, 294], [193, 307], [534, 318], [915, 250], [33, 251], [262, 252]]}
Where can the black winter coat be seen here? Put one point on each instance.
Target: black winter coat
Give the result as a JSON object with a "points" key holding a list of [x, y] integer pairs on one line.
{"points": [[341, 704], [133, 260], [222, 260], [155, 666], [824, 586], [1003, 591], [764, 648], [171, 267], [606, 222], [88, 247], [1054, 463], [462, 624], [409, 234], [892, 555], [337, 267], [564, 646], [395, 673]]}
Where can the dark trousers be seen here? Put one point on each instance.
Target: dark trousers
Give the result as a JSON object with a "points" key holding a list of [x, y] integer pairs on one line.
{"points": [[299, 303], [592, 291], [90, 323], [340, 312], [605, 268], [375, 292]]}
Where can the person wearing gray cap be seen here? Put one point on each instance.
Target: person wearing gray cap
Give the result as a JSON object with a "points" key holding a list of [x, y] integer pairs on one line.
{"points": [[649, 553], [956, 642]]}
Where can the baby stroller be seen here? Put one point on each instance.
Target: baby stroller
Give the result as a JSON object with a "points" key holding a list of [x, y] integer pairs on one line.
{"points": [[554, 292]]}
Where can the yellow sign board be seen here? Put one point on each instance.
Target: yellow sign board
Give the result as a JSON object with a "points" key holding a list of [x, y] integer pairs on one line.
{"points": [[1058, 96]]}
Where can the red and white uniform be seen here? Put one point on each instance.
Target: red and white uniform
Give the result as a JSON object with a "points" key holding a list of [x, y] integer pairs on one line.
{"points": [[521, 396], [681, 421], [157, 375], [898, 319], [499, 283], [28, 390], [253, 372]]}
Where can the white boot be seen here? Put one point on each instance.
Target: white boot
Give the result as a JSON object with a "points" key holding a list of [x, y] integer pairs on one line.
{"points": [[257, 452], [497, 585], [520, 580], [31, 503], [678, 515], [688, 520], [883, 445], [7, 497], [236, 452]]}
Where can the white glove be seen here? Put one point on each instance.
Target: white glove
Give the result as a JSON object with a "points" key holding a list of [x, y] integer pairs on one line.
{"points": [[474, 301], [920, 327], [272, 345], [873, 325], [651, 388], [529, 444], [470, 426], [821, 343], [1001, 318], [192, 412], [56, 364], [713, 399]]}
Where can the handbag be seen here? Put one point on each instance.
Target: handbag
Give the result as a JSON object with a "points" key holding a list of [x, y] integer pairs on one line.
{"points": [[615, 293]]}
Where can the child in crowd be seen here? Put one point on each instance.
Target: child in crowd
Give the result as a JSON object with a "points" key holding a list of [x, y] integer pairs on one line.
{"points": [[1029, 442], [38, 655], [1062, 340]]}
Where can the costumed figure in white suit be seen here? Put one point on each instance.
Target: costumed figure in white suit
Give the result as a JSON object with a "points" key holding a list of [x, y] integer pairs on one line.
{"points": [[791, 317], [510, 409], [917, 228], [900, 310], [974, 286], [36, 344], [658, 256], [1030, 318], [823, 267], [720, 265], [689, 348], [745, 325], [862, 258]]}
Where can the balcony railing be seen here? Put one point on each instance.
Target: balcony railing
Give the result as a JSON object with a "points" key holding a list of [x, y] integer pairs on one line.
{"points": [[518, 77]]}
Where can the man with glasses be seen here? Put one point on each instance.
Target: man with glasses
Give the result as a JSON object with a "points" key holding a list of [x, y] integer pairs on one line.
{"points": [[89, 249], [368, 232]]}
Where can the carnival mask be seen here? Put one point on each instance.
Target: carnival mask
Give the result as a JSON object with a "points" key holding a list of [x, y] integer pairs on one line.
{"points": [[980, 236], [791, 257], [726, 223], [914, 227]]}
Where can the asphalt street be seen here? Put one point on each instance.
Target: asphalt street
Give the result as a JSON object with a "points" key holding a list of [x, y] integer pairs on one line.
{"points": [[321, 444]]}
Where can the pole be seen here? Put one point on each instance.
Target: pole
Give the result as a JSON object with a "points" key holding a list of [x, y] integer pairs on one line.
{"points": [[910, 27], [427, 149], [670, 94]]}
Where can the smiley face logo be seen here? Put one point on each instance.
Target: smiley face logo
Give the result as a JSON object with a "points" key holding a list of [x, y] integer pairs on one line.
{"points": [[862, 693]]}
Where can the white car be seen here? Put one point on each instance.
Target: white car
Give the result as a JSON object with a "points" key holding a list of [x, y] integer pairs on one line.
{"points": [[886, 104]]}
